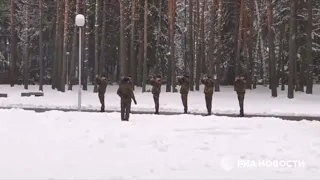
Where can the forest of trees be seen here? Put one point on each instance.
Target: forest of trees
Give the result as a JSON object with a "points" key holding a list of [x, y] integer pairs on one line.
{"points": [[275, 43]]}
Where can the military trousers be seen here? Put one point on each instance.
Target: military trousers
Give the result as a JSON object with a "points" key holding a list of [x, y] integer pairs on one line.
{"points": [[156, 101], [184, 98], [208, 98], [125, 108], [241, 100], [101, 98]]}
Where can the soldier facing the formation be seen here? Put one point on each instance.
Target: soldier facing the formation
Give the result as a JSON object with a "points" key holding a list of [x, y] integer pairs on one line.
{"points": [[125, 91], [184, 82], [156, 89], [102, 86], [240, 88], [208, 91]]}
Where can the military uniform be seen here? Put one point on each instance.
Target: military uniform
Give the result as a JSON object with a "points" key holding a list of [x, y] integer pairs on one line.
{"points": [[125, 91], [102, 86], [240, 88], [184, 90], [208, 92], [156, 89]]}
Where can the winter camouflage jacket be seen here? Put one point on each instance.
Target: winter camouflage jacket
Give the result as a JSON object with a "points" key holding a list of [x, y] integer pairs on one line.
{"points": [[240, 85], [156, 85], [125, 91], [208, 85], [185, 85], [102, 82]]}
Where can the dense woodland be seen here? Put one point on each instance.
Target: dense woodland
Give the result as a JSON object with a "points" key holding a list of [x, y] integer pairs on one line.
{"points": [[274, 43]]}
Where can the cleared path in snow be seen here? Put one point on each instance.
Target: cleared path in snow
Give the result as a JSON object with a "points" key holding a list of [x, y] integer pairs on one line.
{"points": [[291, 118]]}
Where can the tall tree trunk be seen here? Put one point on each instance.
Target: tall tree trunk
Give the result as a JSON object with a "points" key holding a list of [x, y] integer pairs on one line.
{"points": [[72, 72], [271, 51], [158, 60], [281, 59], [26, 46], [263, 57], [172, 46], [250, 45], [123, 64], [292, 50], [198, 56], [190, 46], [185, 59], [239, 45], [145, 45], [86, 49], [103, 37], [96, 43], [41, 45], [13, 44], [219, 49], [309, 50], [170, 63], [140, 60], [202, 45], [211, 39], [65, 47], [133, 68], [56, 59]]}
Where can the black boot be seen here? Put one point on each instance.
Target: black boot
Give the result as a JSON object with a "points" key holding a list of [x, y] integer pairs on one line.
{"points": [[241, 113], [209, 112], [185, 111], [157, 112], [102, 109]]}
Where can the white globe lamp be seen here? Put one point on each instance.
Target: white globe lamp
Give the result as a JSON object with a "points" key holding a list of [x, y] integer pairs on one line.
{"points": [[80, 20]]}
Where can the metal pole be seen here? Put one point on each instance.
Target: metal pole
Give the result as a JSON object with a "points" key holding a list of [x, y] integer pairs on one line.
{"points": [[79, 70], [67, 68]]}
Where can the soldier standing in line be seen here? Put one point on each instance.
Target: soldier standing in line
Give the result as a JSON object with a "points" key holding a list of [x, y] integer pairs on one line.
{"points": [[156, 89], [240, 88], [125, 92], [208, 91], [102, 86], [184, 90]]}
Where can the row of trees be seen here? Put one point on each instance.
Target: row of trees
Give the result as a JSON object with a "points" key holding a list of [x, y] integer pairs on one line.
{"points": [[276, 42]]}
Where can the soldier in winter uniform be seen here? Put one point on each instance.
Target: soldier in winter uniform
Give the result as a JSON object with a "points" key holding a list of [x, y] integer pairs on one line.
{"points": [[102, 86], [240, 88], [184, 90], [125, 91], [208, 91], [156, 89]]}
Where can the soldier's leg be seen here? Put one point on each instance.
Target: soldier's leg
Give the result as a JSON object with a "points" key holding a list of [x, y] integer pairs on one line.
{"points": [[123, 105], [185, 102], [241, 99], [128, 110], [101, 98], [208, 103], [156, 103]]}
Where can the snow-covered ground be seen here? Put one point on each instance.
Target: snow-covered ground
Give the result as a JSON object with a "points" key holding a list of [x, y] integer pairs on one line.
{"points": [[258, 101], [73, 145]]}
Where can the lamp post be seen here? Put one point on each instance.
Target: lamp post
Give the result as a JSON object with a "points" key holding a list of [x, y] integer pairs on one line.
{"points": [[80, 21], [67, 54]]}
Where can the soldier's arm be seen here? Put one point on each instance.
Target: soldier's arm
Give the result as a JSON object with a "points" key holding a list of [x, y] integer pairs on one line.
{"points": [[133, 97], [119, 92], [98, 80], [203, 81]]}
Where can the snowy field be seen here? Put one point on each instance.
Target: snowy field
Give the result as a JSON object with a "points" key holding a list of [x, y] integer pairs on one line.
{"points": [[72, 145], [257, 101]]}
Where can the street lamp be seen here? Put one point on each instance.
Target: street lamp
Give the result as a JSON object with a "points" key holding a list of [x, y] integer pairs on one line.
{"points": [[80, 21]]}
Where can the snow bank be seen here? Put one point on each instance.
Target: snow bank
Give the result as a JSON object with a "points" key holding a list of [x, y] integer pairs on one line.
{"points": [[72, 145]]}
